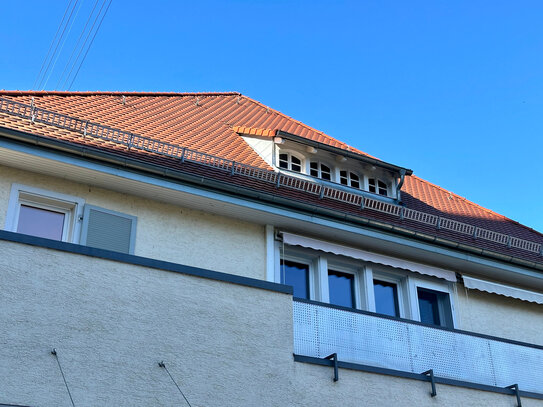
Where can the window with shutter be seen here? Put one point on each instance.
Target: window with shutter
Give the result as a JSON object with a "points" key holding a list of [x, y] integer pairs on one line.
{"points": [[110, 230]]}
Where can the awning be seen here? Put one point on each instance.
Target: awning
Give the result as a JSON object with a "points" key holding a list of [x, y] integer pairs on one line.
{"points": [[296, 240], [500, 289]]}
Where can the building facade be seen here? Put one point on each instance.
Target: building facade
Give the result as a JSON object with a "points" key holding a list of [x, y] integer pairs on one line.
{"points": [[207, 250]]}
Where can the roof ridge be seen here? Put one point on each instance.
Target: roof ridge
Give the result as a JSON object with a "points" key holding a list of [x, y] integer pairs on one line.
{"points": [[307, 126], [110, 93], [466, 200]]}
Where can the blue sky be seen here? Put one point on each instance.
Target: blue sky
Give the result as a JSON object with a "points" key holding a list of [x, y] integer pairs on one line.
{"points": [[452, 90]]}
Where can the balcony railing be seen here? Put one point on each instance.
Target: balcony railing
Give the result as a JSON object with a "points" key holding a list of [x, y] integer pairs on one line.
{"points": [[370, 339]]}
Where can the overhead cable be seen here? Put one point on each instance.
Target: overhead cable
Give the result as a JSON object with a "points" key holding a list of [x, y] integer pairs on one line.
{"points": [[56, 46], [51, 46], [75, 49], [92, 40], [63, 42]]}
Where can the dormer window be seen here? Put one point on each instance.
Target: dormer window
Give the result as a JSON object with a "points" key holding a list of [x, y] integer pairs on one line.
{"points": [[290, 162], [349, 178], [320, 170], [377, 186]]}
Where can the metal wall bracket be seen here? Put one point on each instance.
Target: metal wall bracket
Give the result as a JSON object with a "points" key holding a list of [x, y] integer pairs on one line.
{"points": [[333, 357], [430, 373], [514, 387]]}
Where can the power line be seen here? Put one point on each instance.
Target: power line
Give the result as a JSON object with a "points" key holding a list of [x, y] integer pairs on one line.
{"points": [[63, 42], [75, 48], [51, 46], [90, 45], [58, 42], [84, 44]]}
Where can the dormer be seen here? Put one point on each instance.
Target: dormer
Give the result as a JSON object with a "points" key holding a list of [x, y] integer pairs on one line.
{"points": [[302, 157]]}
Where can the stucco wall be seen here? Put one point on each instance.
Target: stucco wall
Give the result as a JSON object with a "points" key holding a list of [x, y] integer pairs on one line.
{"points": [[497, 315], [165, 232], [225, 344]]}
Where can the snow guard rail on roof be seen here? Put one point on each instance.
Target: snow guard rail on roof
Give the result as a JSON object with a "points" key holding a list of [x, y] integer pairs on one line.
{"points": [[134, 141]]}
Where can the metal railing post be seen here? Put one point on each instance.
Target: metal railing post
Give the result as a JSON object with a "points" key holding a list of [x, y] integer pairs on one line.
{"points": [[333, 357]]}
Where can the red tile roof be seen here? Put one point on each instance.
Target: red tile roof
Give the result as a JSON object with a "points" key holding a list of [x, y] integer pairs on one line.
{"points": [[212, 123]]}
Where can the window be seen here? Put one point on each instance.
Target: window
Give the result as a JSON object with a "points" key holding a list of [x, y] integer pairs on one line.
{"points": [[356, 284], [341, 288], [320, 170], [109, 230], [290, 162], [296, 275], [377, 187], [386, 298], [349, 178], [434, 307], [42, 213]]}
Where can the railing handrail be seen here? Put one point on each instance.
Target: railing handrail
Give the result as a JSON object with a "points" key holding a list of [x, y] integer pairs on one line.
{"points": [[138, 142]]}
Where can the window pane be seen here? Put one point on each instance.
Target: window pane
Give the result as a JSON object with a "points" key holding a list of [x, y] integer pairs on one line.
{"points": [[382, 188], [341, 286], [296, 167], [371, 183], [283, 161], [314, 165], [386, 298], [429, 307], [40, 222], [325, 172], [295, 160], [296, 275]]}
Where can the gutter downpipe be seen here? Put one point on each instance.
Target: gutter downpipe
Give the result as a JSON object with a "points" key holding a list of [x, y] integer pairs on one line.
{"points": [[400, 185]]}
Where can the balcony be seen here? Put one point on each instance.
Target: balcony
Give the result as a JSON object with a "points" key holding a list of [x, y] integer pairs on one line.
{"points": [[369, 339]]}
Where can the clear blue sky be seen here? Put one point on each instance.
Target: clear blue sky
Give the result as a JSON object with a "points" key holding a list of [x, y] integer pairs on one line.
{"points": [[451, 89]]}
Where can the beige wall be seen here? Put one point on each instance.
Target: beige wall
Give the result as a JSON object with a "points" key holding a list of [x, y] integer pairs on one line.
{"points": [[225, 344], [501, 316], [165, 232]]}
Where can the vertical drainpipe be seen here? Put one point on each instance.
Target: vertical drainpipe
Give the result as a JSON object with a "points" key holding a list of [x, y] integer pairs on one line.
{"points": [[400, 184]]}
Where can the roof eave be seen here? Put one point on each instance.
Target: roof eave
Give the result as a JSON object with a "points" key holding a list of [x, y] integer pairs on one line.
{"points": [[345, 153]]}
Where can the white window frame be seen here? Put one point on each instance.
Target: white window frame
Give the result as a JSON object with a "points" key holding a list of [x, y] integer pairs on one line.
{"points": [[377, 180], [70, 205], [359, 287], [291, 153], [443, 287], [361, 177], [401, 281], [312, 277], [319, 170]]}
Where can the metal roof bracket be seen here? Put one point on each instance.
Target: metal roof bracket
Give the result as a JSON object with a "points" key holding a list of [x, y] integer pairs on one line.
{"points": [[333, 358], [430, 374], [515, 389]]}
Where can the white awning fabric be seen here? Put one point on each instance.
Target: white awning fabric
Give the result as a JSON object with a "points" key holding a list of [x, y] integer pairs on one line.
{"points": [[296, 240], [501, 289]]}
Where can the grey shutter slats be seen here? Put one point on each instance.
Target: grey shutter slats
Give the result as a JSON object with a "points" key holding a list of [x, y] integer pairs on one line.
{"points": [[106, 229]]}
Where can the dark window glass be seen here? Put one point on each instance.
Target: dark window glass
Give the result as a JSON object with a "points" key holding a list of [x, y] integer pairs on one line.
{"points": [[386, 298], [40, 222], [355, 181], [371, 183], [325, 172], [314, 169], [341, 286], [382, 188], [283, 161], [296, 275], [429, 307], [343, 178], [296, 164]]}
